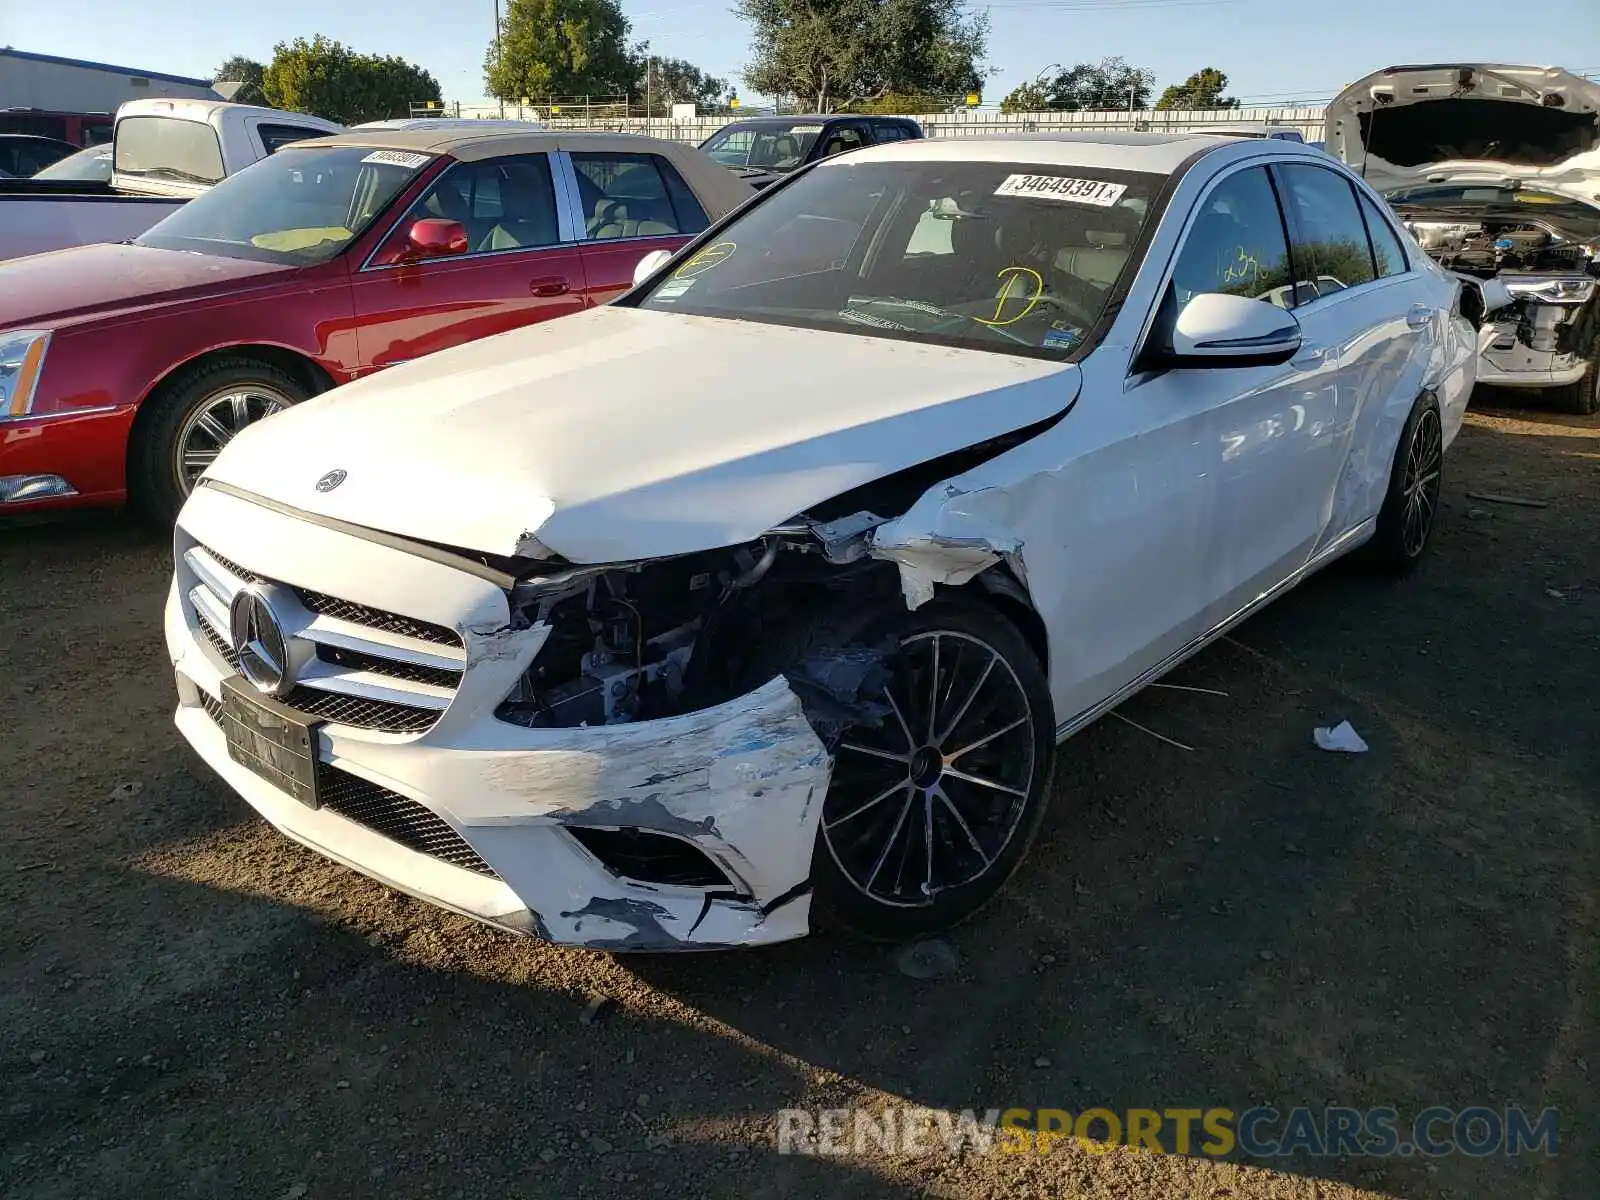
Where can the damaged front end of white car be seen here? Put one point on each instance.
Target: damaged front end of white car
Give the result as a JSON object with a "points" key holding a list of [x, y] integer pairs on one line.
{"points": [[1495, 170], [568, 718]]}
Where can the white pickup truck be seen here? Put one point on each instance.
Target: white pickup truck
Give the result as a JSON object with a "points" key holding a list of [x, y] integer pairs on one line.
{"points": [[165, 152]]}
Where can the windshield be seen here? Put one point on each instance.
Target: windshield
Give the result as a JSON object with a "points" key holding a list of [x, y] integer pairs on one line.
{"points": [[1016, 258], [298, 206], [93, 164], [764, 147]]}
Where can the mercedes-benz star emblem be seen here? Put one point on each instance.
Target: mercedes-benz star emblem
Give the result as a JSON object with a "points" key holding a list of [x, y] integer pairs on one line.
{"points": [[331, 480], [258, 639]]}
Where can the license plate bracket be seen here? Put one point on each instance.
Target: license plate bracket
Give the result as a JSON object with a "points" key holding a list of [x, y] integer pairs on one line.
{"points": [[271, 740]]}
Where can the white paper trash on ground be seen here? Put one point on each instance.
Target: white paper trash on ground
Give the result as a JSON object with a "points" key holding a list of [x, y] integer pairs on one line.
{"points": [[1341, 738]]}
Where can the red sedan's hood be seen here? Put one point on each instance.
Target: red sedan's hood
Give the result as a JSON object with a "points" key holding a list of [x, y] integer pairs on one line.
{"points": [[64, 286]]}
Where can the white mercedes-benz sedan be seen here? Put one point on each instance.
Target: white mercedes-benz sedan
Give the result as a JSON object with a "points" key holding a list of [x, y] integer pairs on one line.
{"points": [[764, 597]]}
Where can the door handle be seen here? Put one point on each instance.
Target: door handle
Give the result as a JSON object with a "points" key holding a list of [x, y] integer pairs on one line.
{"points": [[554, 285], [1420, 316], [1309, 356]]}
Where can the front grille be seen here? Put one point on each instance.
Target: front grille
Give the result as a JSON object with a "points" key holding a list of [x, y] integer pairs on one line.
{"points": [[397, 818], [352, 703], [646, 857], [357, 660], [376, 618], [361, 712]]}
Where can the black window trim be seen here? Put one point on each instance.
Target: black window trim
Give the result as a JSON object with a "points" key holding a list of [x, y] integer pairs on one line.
{"points": [[557, 193]]}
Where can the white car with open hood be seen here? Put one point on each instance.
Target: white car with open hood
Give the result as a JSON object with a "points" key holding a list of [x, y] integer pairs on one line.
{"points": [[762, 597], [1495, 170]]}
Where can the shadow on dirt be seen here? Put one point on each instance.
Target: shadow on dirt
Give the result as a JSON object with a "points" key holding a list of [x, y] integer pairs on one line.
{"points": [[206, 1009]]}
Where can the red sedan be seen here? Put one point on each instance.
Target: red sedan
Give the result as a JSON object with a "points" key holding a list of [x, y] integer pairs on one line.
{"points": [[124, 369]]}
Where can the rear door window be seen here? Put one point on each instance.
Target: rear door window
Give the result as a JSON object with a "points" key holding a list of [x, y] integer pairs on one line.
{"points": [[1331, 252], [634, 195], [1388, 252]]}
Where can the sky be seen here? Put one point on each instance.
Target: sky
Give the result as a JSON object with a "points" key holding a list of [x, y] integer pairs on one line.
{"points": [[1273, 51]]}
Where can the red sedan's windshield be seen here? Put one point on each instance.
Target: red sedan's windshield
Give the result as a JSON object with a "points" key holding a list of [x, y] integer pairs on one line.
{"points": [[298, 206]]}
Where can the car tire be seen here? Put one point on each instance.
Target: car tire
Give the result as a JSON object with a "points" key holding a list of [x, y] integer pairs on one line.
{"points": [[188, 421], [1411, 504], [1581, 399], [889, 799]]}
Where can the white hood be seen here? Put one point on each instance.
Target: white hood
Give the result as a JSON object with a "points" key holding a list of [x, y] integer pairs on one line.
{"points": [[1471, 123], [619, 433]]}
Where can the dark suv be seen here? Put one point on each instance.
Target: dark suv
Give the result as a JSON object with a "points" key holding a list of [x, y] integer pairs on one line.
{"points": [[763, 149]]}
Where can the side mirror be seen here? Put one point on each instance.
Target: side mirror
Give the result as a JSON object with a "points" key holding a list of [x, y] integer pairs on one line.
{"points": [[649, 265], [1218, 330], [435, 237]]}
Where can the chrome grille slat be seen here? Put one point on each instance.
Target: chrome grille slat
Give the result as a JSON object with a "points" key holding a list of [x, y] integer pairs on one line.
{"points": [[372, 669]]}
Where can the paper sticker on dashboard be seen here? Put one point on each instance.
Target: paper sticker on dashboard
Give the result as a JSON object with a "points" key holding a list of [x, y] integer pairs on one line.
{"points": [[673, 288], [396, 158], [1059, 187]]}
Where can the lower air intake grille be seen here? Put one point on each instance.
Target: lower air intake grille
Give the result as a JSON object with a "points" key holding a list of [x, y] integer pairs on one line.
{"points": [[397, 818], [650, 857]]}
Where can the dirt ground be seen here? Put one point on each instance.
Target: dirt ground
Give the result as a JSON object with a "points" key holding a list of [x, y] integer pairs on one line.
{"points": [[195, 1006]]}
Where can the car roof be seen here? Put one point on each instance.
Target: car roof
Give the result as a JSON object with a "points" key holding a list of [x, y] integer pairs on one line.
{"points": [[1156, 153], [469, 145], [814, 118]]}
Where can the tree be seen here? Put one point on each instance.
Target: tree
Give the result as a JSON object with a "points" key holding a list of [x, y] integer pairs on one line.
{"points": [[1110, 83], [328, 79], [674, 81], [1203, 89], [554, 48], [246, 71], [1026, 97], [837, 54]]}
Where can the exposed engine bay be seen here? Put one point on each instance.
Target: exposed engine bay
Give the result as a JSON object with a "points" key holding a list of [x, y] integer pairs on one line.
{"points": [[1487, 248], [1548, 336]]}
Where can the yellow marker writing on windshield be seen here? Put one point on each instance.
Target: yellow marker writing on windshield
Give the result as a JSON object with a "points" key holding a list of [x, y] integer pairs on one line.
{"points": [[1013, 276], [710, 257]]}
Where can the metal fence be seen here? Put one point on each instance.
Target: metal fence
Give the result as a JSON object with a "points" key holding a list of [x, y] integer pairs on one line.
{"points": [[1308, 120]]}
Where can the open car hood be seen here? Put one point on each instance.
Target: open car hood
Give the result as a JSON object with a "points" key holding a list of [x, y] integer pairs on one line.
{"points": [[1471, 123], [620, 434]]}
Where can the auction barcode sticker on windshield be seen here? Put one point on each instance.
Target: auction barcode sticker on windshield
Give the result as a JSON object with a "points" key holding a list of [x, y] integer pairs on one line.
{"points": [[396, 158], [1059, 187]]}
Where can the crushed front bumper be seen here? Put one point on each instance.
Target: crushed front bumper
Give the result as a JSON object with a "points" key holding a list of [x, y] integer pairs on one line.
{"points": [[742, 782]]}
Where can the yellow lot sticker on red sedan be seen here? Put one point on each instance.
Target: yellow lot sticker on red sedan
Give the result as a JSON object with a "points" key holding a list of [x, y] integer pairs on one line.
{"points": [[1059, 187]]}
